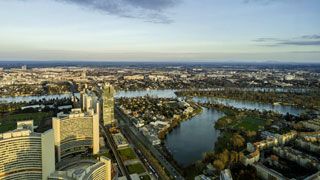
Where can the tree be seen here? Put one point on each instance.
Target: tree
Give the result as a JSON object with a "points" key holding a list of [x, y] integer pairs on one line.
{"points": [[208, 156], [251, 133], [218, 164], [234, 157], [237, 141]]}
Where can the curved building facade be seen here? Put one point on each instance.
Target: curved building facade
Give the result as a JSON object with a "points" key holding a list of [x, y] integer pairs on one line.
{"points": [[26, 155], [84, 170]]}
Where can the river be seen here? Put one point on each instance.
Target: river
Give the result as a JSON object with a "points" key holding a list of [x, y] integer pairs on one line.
{"points": [[192, 138], [188, 142]]}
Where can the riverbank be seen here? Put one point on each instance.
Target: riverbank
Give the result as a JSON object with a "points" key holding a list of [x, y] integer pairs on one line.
{"points": [[243, 119], [309, 99], [35, 95], [176, 122], [237, 128]]}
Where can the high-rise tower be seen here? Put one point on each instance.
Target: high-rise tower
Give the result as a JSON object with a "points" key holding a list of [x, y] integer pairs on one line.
{"points": [[108, 104]]}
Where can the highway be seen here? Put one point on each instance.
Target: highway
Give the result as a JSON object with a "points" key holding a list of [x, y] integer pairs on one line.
{"points": [[121, 166], [135, 134]]}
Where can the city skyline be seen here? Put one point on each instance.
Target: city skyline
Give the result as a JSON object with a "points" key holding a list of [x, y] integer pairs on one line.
{"points": [[164, 30]]}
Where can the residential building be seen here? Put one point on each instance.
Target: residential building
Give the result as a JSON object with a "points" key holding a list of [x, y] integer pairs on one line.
{"points": [[120, 141], [225, 175]]}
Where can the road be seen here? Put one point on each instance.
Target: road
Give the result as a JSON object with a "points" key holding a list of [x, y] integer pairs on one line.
{"points": [[140, 155], [121, 166], [135, 134]]}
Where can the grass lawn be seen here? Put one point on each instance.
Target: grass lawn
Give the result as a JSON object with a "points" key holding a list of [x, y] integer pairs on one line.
{"points": [[127, 154], [145, 177], [250, 123], [105, 154], [135, 168], [8, 122]]}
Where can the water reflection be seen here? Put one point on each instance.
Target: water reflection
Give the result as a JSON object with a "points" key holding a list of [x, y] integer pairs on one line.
{"points": [[251, 105], [192, 138]]}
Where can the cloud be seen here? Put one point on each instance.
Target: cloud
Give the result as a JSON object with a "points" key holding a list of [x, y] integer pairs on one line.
{"points": [[264, 2], [300, 43], [265, 39], [148, 10], [305, 40], [314, 36]]}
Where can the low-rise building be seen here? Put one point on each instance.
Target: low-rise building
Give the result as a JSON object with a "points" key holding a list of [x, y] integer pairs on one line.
{"points": [[312, 124], [299, 157], [85, 170], [225, 175], [120, 141]]}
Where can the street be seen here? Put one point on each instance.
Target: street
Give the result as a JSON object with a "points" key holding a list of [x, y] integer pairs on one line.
{"points": [[135, 134]]}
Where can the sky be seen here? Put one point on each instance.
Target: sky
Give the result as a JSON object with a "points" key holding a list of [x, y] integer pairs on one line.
{"points": [[161, 30]]}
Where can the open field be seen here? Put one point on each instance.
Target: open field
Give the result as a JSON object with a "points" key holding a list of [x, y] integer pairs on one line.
{"points": [[250, 123], [136, 168], [8, 122], [127, 154]]}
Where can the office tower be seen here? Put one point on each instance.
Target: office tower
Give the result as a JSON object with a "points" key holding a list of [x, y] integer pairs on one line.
{"points": [[108, 104], [24, 67], [89, 100], [76, 133], [25, 154]]}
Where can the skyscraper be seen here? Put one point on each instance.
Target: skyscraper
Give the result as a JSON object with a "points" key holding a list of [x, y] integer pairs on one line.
{"points": [[77, 132], [25, 154], [108, 104]]}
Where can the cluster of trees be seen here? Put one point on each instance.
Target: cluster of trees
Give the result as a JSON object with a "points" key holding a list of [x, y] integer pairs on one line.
{"points": [[309, 99], [56, 88], [21, 89], [232, 141], [16, 106], [34, 89], [10, 107], [147, 107], [227, 151], [223, 160], [233, 115]]}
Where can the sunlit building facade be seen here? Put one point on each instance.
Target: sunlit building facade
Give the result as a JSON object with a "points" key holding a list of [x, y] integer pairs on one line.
{"points": [[25, 154], [85, 170], [108, 104], [76, 133]]}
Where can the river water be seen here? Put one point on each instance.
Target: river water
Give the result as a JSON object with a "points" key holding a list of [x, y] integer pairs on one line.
{"points": [[188, 142]]}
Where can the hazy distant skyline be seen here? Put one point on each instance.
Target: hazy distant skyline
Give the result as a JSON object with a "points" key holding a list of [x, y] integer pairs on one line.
{"points": [[160, 30]]}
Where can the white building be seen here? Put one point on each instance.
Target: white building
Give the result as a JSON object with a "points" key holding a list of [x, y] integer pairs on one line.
{"points": [[225, 175], [25, 154], [76, 133], [85, 170]]}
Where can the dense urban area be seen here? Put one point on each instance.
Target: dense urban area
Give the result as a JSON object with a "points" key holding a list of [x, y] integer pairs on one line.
{"points": [[161, 121]]}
